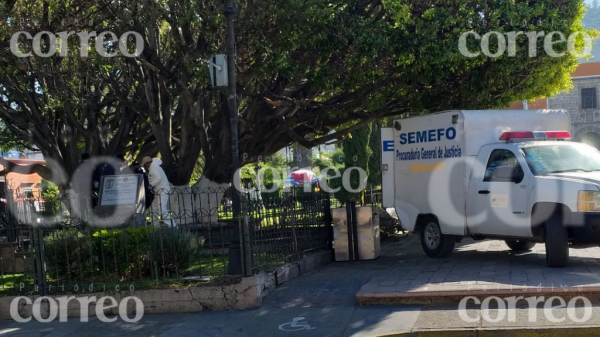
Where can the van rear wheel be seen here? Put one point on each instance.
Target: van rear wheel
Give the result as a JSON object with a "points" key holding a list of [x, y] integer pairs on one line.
{"points": [[557, 242], [519, 245], [436, 244]]}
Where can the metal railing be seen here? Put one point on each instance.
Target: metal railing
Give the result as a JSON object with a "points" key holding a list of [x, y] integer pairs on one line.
{"points": [[284, 229], [60, 245]]}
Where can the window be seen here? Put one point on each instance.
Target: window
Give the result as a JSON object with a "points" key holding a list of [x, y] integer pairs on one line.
{"points": [[568, 157], [588, 98], [498, 159], [28, 193]]}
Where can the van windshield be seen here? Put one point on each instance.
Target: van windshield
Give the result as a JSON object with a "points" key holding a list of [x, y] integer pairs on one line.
{"points": [[551, 159]]}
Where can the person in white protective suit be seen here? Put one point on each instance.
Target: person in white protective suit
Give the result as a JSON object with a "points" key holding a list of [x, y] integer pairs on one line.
{"points": [[159, 183]]}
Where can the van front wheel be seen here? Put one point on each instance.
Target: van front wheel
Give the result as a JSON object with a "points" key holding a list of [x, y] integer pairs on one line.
{"points": [[436, 244]]}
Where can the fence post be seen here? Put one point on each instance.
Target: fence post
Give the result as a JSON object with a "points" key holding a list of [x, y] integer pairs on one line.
{"points": [[245, 238], [294, 209], [12, 222], [349, 217], [354, 230], [328, 219], [39, 259]]}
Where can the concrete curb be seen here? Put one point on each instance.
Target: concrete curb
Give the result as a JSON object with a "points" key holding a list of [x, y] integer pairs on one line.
{"points": [[512, 332], [247, 294], [364, 298]]}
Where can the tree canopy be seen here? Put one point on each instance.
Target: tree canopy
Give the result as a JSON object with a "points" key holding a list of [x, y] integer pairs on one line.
{"points": [[310, 71]]}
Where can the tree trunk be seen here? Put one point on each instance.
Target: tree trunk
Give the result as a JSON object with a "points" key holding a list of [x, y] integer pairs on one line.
{"points": [[302, 157]]}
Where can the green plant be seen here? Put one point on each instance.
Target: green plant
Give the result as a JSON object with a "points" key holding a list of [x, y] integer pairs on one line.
{"points": [[50, 194], [172, 249], [275, 169], [68, 253], [123, 253], [120, 254], [374, 162], [198, 171]]}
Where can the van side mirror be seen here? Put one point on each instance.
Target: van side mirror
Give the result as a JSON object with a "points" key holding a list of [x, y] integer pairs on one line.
{"points": [[509, 174]]}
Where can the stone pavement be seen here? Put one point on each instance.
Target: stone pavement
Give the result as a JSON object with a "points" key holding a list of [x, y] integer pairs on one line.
{"points": [[323, 303], [478, 267]]}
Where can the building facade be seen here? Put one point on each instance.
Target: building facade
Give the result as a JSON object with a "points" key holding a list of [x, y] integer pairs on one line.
{"points": [[582, 104], [21, 184]]}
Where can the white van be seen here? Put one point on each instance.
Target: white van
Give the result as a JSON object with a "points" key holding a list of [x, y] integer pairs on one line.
{"points": [[511, 175]]}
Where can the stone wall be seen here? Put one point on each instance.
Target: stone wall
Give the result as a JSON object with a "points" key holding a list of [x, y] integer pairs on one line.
{"points": [[581, 119]]}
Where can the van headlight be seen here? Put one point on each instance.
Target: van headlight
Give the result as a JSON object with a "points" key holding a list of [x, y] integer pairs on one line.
{"points": [[588, 201]]}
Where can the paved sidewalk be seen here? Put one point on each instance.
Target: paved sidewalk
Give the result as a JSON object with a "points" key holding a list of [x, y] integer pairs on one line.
{"points": [[479, 267], [323, 303], [487, 262]]}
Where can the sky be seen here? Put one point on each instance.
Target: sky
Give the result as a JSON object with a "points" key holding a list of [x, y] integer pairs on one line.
{"points": [[596, 50]]}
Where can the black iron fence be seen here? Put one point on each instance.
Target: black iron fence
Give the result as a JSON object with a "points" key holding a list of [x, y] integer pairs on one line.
{"points": [[51, 245], [367, 197], [283, 229]]}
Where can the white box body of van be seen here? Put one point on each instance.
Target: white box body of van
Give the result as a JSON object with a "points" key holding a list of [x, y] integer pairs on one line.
{"points": [[428, 161]]}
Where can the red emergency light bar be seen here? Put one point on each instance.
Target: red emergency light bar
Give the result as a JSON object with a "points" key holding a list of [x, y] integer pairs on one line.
{"points": [[535, 135]]}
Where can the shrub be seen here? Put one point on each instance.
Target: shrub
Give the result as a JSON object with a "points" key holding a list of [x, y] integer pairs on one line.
{"points": [[50, 194], [172, 249], [68, 253], [120, 253]]}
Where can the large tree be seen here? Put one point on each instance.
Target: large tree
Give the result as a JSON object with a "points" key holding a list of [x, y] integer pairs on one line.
{"points": [[357, 154], [310, 71], [374, 165]]}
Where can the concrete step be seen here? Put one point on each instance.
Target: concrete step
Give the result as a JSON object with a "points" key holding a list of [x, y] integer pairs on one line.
{"points": [[371, 294]]}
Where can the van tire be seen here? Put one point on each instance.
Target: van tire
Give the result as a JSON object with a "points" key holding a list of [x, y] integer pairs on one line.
{"points": [[436, 244], [519, 245], [557, 242]]}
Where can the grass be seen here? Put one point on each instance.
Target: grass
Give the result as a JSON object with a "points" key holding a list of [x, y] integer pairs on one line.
{"points": [[16, 283], [269, 217], [214, 265]]}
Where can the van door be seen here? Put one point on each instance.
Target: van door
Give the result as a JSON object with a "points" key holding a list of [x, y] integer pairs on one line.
{"points": [[499, 201]]}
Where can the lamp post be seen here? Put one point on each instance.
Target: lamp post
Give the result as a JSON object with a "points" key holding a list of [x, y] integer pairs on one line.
{"points": [[235, 254]]}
